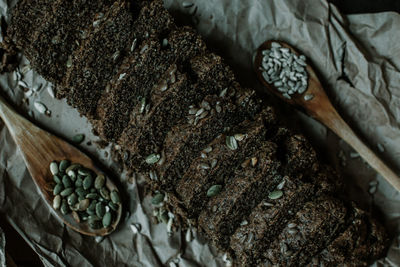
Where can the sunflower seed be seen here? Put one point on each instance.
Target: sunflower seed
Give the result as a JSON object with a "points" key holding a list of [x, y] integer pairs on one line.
{"points": [[204, 104], [162, 159], [214, 190], [157, 199], [152, 158], [193, 111], [267, 204], [281, 185], [254, 161], [121, 76], [188, 235], [153, 175], [223, 92], [354, 155], [199, 112], [292, 231], [243, 223], [214, 163], [69, 62], [142, 105], [207, 149], [116, 55], [240, 137], [204, 166], [246, 163], [308, 97], [203, 115], [40, 107], [133, 46], [218, 108], [292, 225], [169, 225], [275, 194], [231, 143], [203, 155]]}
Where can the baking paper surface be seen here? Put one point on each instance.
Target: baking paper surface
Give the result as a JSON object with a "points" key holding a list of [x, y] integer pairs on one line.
{"points": [[358, 59]]}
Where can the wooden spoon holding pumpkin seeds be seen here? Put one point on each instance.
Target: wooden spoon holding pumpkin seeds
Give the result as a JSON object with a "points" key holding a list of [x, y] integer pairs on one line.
{"points": [[40, 149], [300, 86]]}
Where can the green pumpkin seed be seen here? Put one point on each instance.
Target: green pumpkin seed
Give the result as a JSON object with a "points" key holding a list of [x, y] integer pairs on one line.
{"points": [[80, 198], [57, 179], [94, 224], [87, 182], [74, 207], [64, 164], [115, 197], [275, 194], [67, 192], [164, 217], [54, 168], [77, 139], [113, 206], [84, 216], [103, 200], [92, 196], [83, 204], [157, 199], [72, 199], [91, 212], [57, 202], [71, 174], [57, 189], [66, 181], [72, 167], [81, 192], [99, 181], [100, 209], [94, 218], [92, 206], [107, 219], [231, 143], [214, 190], [105, 193], [76, 216], [64, 207], [153, 158], [79, 182], [93, 190]]}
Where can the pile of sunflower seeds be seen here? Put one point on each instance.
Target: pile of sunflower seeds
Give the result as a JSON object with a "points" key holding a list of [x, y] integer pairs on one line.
{"points": [[285, 70], [84, 194]]}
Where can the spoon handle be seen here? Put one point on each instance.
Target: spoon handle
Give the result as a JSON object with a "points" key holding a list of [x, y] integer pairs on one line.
{"points": [[15, 123], [342, 129]]}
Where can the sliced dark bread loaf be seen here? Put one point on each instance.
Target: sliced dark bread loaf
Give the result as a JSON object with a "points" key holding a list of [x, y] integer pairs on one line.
{"points": [[362, 241], [268, 219], [246, 188], [216, 162], [313, 226], [151, 69], [98, 59], [50, 52]]}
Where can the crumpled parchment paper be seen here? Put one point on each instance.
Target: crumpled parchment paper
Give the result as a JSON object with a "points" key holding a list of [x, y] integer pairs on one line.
{"points": [[358, 60]]}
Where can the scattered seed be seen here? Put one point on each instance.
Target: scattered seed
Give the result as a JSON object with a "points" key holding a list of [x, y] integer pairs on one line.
{"points": [[243, 223], [381, 147], [133, 46], [40, 107], [281, 185], [275, 194], [23, 84], [157, 199], [354, 155], [214, 163], [188, 235], [231, 143], [204, 166], [142, 105], [254, 161], [78, 138], [214, 190], [208, 149], [292, 225], [199, 112], [153, 158], [308, 97], [239, 137], [372, 190]]}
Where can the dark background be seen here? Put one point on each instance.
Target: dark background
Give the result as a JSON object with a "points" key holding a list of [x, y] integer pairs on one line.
{"points": [[22, 254]]}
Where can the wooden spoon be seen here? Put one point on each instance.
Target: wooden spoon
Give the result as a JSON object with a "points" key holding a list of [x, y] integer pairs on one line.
{"points": [[321, 109], [39, 148]]}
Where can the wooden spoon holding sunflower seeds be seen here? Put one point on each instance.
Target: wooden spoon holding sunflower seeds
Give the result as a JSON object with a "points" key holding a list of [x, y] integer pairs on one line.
{"points": [[300, 86], [39, 148]]}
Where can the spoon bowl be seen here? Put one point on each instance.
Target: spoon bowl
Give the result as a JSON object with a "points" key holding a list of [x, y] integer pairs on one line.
{"points": [[39, 148], [316, 103]]}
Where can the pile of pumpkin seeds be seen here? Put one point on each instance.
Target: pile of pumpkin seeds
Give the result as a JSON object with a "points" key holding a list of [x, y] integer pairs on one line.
{"points": [[79, 191]]}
